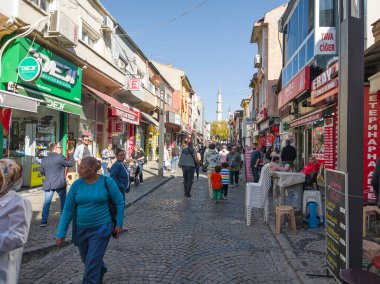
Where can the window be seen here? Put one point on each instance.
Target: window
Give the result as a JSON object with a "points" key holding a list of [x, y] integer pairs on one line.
{"points": [[43, 4], [88, 38], [169, 99], [326, 13], [311, 15]]}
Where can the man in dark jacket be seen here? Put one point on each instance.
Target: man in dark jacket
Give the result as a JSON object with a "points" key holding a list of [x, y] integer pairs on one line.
{"points": [[120, 173], [53, 168], [255, 162], [288, 154]]}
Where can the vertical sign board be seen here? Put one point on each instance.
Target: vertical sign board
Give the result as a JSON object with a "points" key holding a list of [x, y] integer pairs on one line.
{"points": [[371, 150], [329, 142], [336, 221], [247, 165]]}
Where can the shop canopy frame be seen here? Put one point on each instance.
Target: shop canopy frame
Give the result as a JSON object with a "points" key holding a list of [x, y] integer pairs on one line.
{"points": [[118, 109], [149, 118], [309, 117], [16, 101]]}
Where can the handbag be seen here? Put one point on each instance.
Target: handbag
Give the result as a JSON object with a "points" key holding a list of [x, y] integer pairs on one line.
{"points": [[112, 207]]}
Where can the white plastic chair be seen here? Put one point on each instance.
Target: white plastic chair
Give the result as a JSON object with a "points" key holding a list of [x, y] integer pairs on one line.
{"points": [[256, 194]]}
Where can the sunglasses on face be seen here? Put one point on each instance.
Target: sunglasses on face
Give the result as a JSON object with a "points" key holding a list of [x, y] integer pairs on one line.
{"points": [[86, 140]]}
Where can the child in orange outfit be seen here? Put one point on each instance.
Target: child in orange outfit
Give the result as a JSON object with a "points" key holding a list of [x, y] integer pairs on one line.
{"points": [[216, 183]]}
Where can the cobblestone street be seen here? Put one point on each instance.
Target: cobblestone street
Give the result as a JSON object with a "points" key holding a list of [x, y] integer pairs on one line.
{"points": [[173, 239]]}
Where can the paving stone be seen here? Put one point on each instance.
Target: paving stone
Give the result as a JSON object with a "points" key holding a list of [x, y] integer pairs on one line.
{"points": [[173, 239]]}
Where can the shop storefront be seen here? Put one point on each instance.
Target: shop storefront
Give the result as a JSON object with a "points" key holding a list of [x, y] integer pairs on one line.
{"points": [[48, 82], [290, 108], [121, 121], [173, 128]]}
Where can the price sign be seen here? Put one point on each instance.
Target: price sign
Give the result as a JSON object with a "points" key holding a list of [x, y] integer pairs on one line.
{"points": [[336, 221]]}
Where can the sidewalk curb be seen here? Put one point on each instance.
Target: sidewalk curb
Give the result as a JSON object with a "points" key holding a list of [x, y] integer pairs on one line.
{"points": [[29, 254], [289, 255]]}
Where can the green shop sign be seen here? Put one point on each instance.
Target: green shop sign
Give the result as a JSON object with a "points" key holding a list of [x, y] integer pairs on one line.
{"points": [[29, 69], [30, 65]]}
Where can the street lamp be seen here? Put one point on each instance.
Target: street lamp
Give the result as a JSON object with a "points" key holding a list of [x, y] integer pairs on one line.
{"points": [[158, 83]]}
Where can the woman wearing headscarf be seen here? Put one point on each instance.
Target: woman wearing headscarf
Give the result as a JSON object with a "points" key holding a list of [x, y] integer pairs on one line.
{"points": [[15, 216], [87, 204]]}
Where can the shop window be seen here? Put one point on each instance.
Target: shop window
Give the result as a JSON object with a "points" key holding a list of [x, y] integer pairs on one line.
{"points": [[311, 15], [326, 13], [43, 4], [169, 99]]}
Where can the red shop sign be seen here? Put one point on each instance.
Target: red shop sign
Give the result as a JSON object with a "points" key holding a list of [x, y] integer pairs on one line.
{"points": [[329, 143], [371, 141], [299, 84], [323, 87], [262, 140]]}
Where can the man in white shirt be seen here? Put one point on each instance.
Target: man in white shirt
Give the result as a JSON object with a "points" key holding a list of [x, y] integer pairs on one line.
{"points": [[82, 151]]}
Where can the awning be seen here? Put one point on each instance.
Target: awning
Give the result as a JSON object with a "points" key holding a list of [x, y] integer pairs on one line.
{"points": [[51, 101], [117, 108], [149, 118], [310, 117], [16, 101]]}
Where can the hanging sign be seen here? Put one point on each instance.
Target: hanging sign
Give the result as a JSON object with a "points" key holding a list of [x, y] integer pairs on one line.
{"points": [[134, 84], [325, 41], [329, 141], [29, 69]]}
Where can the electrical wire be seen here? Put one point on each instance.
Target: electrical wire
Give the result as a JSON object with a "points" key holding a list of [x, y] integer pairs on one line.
{"points": [[160, 25], [27, 32]]}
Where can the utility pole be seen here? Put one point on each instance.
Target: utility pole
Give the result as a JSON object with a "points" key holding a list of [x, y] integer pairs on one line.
{"points": [[158, 83], [350, 115], [161, 131]]}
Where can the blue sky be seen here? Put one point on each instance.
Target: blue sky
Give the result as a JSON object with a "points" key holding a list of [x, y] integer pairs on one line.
{"points": [[211, 43]]}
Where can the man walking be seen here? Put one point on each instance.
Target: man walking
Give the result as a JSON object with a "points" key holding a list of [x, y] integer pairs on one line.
{"points": [[82, 151], [255, 161], [139, 156], [288, 154], [53, 167]]}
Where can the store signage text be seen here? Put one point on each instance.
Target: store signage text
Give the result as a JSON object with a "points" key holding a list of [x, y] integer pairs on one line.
{"points": [[325, 41], [324, 85], [41, 69], [305, 120], [299, 84], [134, 84], [29, 69], [55, 104], [132, 118], [261, 115], [371, 141]]}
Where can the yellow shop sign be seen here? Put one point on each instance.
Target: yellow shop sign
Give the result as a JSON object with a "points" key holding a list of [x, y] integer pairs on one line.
{"points": [[36, 178]]}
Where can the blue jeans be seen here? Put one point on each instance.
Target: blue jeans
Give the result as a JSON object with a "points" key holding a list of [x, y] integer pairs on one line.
{"points": [[92, 244], [48, 198], [141, 171], [105, 170], [174, 163]]}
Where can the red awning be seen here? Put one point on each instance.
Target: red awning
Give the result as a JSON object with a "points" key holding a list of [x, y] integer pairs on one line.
{"points": [[118, 109]]}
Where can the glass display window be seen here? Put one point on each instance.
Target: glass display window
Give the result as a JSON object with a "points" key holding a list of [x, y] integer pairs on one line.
{"points": [[32, 133]]}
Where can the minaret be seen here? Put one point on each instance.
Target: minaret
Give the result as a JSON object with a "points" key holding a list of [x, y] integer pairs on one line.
{"points": [[219, 106]]}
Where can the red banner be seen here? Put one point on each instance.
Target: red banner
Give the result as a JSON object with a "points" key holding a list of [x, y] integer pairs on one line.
{"points": [[329, 143], [371, 141], [299, 84], [5, 118]]}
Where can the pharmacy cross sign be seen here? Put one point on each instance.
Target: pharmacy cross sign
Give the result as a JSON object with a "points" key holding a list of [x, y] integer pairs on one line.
{"points": [[29, 69]]}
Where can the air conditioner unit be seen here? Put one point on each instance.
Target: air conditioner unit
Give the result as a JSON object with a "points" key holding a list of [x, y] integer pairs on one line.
{"points": [[107, 24], [258, 61], [62, 28]]}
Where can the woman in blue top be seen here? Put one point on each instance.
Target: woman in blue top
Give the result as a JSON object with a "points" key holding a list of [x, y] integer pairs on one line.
{"points": [[88, 205]]}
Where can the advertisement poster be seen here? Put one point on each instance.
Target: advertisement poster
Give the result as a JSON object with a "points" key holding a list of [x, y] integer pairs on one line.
{"points": [[36, 178], [329, 151], [371, 141], [318, 142], [247, 163], [336, 221]]}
